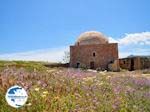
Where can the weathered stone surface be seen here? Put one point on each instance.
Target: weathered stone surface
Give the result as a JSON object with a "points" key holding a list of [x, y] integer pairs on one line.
{"points": [[135, 62], [91, 37], [114, 66], [104, 54]]}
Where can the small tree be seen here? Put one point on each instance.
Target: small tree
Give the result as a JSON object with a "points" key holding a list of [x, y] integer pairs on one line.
{"points": [[66, 57]]}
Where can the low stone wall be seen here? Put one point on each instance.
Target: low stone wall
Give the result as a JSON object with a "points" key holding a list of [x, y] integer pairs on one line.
{"points": [[52, 65]]}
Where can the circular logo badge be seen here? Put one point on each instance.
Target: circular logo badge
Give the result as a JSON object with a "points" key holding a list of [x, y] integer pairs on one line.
{"points": [[16, 96]]}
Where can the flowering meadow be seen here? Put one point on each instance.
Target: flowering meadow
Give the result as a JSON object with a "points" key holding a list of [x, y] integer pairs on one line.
{"points": [[75, 90]]}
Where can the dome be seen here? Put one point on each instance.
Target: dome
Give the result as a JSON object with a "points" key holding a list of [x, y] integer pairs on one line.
{"points": [[91, 37]]}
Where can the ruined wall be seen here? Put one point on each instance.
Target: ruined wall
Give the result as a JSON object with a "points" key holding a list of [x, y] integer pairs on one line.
{"points": [[138, 63], [125, 63], [114, 66], [83, 54], [130, 63], [145, 62]]}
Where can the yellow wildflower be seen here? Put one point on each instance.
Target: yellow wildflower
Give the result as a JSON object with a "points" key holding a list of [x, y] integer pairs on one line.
{"points": [[88, 79], [43, 95], [37, 89], [45, 92], [101, 83]]}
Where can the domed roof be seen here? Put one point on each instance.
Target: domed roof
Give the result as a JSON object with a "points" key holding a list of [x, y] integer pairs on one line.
{"points": [[91, 37]]}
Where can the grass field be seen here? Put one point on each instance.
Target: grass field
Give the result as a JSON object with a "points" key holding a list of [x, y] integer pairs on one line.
{"points": [[74, 90]]}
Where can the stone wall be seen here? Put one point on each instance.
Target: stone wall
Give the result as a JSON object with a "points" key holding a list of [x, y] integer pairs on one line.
{"points": [[145, 62], [83, 54], [138, 63], [126, 63]]}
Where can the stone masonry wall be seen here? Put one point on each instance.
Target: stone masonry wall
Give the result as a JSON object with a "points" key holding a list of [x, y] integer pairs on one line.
{"points": [[83, 54]]}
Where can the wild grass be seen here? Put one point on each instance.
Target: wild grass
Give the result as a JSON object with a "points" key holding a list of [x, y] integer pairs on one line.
{"points": [[28, 65], [74, 90]]}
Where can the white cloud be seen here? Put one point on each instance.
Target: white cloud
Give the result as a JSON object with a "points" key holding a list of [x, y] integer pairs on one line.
{"points": [[133, 44], [50, 55], [112, 40], [134, 38]]}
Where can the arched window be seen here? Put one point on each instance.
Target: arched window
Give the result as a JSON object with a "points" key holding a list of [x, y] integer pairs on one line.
{"points": [[94, 54]]}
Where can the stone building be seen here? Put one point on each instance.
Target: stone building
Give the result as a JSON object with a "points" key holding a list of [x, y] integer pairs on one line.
{"points": [[93, 50], [135, 62]]}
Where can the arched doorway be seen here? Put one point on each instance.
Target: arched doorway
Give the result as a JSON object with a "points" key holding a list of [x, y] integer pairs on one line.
{"points": [[92, 65], [78, 65]]}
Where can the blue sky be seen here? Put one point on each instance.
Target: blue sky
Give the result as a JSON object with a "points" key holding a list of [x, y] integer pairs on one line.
{"points": [[44, 25]]}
